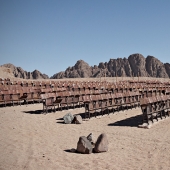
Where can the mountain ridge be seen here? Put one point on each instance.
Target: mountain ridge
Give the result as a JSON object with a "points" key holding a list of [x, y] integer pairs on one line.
{"points": [[18, 72], [134, 65]]}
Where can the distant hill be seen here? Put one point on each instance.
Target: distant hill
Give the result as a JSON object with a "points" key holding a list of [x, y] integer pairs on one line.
{"points": [[18, 72], [132, 66]]}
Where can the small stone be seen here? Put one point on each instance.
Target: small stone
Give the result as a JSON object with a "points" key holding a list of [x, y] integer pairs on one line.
{"points": [[77, 119]]}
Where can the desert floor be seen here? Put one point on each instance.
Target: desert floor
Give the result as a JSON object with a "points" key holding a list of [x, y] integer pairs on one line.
{"points": [[31, 140]]}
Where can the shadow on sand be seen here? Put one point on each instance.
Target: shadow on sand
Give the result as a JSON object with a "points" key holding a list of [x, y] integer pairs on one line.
{"points": [[132, 122], [72, 151], [34, 111]]}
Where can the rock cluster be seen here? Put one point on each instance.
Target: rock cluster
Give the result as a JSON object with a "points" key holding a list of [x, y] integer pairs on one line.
{"points": [[69, 118], [134, 65], [86, 145]]}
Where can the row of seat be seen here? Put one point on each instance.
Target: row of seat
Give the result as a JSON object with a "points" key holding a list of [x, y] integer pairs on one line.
{"points": [[91, 84], [53, 100], [69, 99], [155, 107], [106, 102]]}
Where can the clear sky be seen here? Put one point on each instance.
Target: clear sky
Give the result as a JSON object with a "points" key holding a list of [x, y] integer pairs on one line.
{"points": [[51, 35]]}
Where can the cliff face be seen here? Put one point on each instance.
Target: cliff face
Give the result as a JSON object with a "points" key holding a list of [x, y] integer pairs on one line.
{"points": [[137, 63], [80, 70], [18, 72], [134, 65], [167, 68], [155, 68]]}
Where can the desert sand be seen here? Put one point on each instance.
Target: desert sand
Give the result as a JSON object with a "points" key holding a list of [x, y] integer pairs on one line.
{"points": [[31, 140]]}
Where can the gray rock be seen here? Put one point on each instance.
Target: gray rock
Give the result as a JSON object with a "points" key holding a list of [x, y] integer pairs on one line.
{"points": [[78, 119], [68, 118], [101, 144], [84, 145]]}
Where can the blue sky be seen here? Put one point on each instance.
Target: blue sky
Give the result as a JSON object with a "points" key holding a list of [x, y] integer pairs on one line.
{"points": [[51, 35]]}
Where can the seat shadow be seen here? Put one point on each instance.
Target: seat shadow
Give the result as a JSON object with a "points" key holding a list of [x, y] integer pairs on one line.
{"points": [[132, 122], [34, 111], [81, 114]]}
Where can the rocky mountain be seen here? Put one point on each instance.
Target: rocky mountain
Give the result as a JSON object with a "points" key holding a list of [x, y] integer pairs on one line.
{"points": [[18, 72], [134, 65]]}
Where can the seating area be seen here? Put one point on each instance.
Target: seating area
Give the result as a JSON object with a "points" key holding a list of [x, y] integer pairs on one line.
{"points": [[97, 97], [155, 107]]}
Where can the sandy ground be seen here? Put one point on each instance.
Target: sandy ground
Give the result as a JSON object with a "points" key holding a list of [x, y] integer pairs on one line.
{"points": [[32, 141]]}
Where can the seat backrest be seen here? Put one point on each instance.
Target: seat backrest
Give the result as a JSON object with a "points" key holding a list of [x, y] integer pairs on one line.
{"points": [[49, 101], [86, 98], [51, 95], [7, 95], [93, 97], [104, 96], [43, 96]]}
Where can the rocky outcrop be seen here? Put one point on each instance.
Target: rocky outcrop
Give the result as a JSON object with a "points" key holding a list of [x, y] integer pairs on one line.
{"points": [[167, 68], [80, 70], [18, 72], [134, 65], [137, 64], [155, 68]]}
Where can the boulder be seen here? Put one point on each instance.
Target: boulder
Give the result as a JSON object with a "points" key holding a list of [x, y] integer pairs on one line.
{"points": [[68, 118], [77, 119], [84, 145], [101, 144]]}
